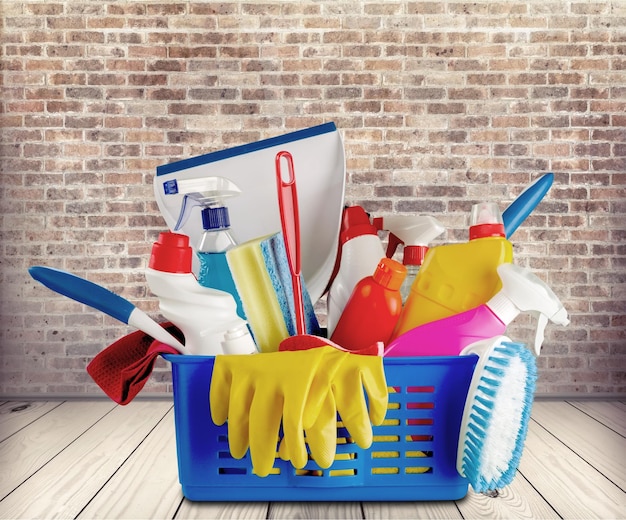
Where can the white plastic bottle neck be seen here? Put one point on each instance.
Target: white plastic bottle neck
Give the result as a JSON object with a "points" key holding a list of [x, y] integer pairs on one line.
{"points": [[502, 306]]}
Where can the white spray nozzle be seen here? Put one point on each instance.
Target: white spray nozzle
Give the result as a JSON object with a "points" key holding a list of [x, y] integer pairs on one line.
{"points": [[529, 293], [410, 230], [204, 192]]}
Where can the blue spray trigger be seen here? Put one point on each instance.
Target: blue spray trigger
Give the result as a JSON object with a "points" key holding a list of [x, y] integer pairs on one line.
{"points": [[190, 201]]}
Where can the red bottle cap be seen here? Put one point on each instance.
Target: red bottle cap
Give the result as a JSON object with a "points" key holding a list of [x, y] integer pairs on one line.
{"points": [[390, 274], [355, 224], [171, 254], [414, 255], [486, 230]]}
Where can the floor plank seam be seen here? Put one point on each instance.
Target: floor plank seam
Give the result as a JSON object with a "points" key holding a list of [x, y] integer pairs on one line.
{"points": [[597, 420], [58, 453], [539, 493], [134, 450], [31, 422], [578, 455]]}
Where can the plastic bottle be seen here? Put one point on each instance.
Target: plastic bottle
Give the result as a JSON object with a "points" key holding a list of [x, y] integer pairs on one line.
{"points": [[521, 291], [238, 341], [458, 277], [203, 314], [361, 250], [209, 194], [416, 233], [373, 308]]}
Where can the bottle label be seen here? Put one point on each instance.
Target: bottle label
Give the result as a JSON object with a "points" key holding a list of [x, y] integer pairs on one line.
{"points": [[215, 273]]}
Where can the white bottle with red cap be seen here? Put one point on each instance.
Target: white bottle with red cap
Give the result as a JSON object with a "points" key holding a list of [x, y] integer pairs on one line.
{"points": [[416, 233], [207, 317], [361, 250]]}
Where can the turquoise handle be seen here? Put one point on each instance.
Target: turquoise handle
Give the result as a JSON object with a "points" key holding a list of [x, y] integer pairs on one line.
{"points": [[83, 291]]}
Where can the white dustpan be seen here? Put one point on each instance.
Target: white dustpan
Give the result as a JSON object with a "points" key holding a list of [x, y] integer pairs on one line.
{"points": [[318, 155]]}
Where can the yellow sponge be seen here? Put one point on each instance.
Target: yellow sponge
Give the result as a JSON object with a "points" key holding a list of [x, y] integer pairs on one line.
{"points": [[261, 273]]}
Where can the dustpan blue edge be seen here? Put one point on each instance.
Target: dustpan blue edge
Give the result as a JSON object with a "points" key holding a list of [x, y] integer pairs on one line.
{"points": [[246, 148]]}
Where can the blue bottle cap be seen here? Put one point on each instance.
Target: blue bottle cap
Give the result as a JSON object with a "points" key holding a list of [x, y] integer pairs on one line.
{"points": [[215, 218]]}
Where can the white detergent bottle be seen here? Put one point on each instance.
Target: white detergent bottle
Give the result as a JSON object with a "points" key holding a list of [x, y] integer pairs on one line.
{"points": [[521, 291], [204, 315], [361, 251], [416, 232], [208, 194]]}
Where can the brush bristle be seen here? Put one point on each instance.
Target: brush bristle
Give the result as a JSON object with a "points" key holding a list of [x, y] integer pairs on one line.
{"points": [[499, 417]]}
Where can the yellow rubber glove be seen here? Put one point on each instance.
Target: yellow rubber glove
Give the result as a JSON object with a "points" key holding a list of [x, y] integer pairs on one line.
{"points": [[320, 410], [255, 392], [352, 374], [356, 374]]}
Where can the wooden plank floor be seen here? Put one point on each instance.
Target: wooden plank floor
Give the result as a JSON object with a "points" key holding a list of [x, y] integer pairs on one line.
{"points": [[93, 459]]}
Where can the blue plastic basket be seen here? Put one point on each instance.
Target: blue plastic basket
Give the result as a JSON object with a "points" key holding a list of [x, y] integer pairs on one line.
{"points": [[413, 456]]}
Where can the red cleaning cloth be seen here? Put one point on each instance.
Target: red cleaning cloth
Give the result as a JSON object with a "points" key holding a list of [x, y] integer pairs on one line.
{"points": [[122, 369]]}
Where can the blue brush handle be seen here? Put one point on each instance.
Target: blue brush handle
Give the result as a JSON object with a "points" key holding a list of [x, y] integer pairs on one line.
{"points": [[83, 291], [525, 202]]}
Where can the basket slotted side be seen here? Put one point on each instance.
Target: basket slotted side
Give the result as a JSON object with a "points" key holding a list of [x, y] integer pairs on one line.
{"points": [[413, 456]]}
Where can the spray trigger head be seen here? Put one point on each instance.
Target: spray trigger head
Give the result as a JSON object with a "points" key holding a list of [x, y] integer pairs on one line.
{"points": [[531, 294], [414, 231], [208, 192]]}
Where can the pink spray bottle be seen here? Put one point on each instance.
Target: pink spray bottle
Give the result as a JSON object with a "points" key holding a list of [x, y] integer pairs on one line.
{"points": [[522, 291]]}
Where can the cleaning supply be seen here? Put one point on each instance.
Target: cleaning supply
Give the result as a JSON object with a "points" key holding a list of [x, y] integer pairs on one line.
{"points": [[122, 369], [320, 156], [496, 413], [458, 277], [100, 298], [290, 223], [261, 274], [361, 250], [522, 291], [209, 195], [345, 377], [525, 203], [303, 391], [256, 394], [203, 314], [238, 340], [372, 311], [416, 232]]}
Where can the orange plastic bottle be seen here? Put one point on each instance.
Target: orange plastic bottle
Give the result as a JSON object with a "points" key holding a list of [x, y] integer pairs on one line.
{"points": [[373, 308], [457, 277]]}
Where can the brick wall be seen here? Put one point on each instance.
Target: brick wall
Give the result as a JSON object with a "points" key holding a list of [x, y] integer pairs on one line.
{"points": [[440, 103]]}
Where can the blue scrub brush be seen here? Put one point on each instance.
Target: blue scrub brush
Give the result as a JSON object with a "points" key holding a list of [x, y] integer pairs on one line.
{"points": [[496, 413]]}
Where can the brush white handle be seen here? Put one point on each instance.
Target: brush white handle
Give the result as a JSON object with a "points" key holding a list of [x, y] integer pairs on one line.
{"points": [[140, 320]]}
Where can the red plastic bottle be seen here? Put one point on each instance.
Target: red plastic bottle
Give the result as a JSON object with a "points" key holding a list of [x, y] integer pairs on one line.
{"points": [[373, 309]]}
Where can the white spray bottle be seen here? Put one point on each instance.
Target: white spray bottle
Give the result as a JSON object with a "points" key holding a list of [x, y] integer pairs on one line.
{"points": [[522, 291], [361, 251], [416, 232], [207, 317], [209, 194]]}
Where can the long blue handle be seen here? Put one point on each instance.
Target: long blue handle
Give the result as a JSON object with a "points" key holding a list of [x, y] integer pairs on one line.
{"points": [[525, 202], [83, 291]]}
